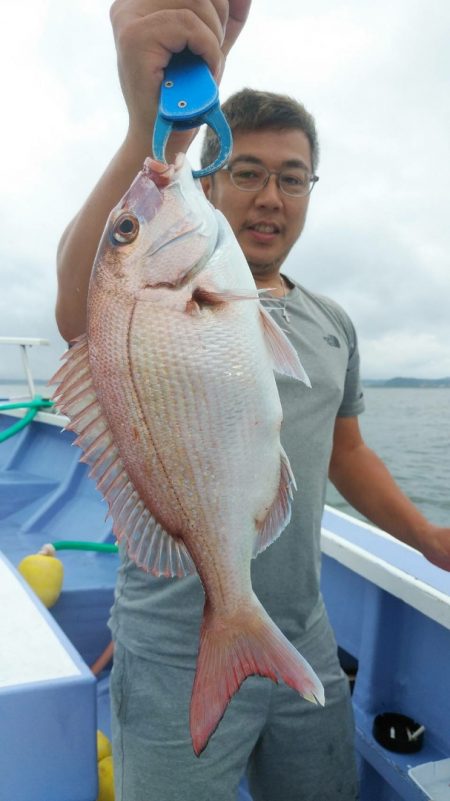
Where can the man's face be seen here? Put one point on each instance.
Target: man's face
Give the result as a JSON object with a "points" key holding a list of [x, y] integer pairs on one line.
{"points": [[266, 222]]}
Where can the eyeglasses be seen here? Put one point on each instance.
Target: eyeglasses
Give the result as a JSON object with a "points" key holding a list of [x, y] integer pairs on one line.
{"points": [[251, 177]]}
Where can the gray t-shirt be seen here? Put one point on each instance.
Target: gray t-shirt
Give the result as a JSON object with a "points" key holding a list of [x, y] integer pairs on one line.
{"points": [[159, 618]]}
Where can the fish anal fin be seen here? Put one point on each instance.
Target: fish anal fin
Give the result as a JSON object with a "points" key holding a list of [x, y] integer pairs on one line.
{"points": [[156, 551], [231, 649], [279, 514], [284, 357], [152, 548]]}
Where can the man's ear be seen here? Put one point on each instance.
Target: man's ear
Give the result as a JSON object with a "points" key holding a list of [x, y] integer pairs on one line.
{"points": [[206, 183]]}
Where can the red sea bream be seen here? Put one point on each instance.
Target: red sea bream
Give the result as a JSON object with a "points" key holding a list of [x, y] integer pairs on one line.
{"points": [[172, 394]]}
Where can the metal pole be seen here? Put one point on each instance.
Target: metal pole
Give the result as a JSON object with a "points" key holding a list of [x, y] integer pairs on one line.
{"points": [[26, 367]]}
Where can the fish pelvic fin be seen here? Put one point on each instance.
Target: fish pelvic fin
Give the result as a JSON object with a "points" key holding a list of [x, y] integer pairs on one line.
{"points": [[284, 357], [279, 514], [231, 649], [148, 544]]}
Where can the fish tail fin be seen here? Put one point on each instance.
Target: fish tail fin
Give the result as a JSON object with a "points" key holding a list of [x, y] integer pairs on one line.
{"points": [[232, 649]]}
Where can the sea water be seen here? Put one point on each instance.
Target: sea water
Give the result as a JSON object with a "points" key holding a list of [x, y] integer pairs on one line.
{"points": [[410, 430]]}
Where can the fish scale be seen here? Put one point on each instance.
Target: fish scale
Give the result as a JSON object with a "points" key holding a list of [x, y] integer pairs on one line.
{"points": [[176, 408], [196, 413]]}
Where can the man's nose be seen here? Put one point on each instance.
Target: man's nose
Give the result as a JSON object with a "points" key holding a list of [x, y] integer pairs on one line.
{"points": [[270, 194]]}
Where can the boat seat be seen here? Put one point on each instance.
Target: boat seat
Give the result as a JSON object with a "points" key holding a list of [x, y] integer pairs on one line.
{"points": [[19, 489]]}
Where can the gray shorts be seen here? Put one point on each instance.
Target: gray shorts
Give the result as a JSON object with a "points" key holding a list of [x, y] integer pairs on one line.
{"points": [[290, 749]]}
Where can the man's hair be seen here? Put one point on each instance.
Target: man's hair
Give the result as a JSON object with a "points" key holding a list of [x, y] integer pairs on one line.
{"points": [[251, 110]]}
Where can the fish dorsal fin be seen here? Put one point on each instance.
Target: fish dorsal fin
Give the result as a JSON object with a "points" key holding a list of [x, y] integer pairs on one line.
{"points": [[279, 513], [148, 544], [284, 357]]}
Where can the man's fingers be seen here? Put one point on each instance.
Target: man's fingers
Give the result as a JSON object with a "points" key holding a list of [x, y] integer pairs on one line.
{"points": [[238, 13], [150, 41], [224, 19], [212, 13], [145, 27], [148, 32]]}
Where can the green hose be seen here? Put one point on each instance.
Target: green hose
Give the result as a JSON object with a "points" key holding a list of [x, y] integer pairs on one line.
{"points": [[34, 406], [75, 545]]}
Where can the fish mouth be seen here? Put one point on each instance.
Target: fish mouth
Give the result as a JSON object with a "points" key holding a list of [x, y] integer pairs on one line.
{"points": [[160, 173]]}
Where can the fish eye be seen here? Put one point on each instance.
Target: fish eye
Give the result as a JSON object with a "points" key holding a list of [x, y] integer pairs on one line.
{"points": [[125, 229]]}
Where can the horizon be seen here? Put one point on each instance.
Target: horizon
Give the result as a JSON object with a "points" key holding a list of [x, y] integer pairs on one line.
{"points": [[44, 381]]}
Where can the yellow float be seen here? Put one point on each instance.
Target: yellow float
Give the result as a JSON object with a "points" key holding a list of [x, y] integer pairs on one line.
{"points": [[44, 573]]}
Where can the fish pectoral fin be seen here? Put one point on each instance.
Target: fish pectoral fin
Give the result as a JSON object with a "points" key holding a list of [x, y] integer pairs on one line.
{"points": [[203, 297], [284, 357], [152, 548], [279, 513], [233, 648]]}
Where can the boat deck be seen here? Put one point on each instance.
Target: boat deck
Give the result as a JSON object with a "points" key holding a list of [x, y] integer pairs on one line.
{"points": [[389, 607]]}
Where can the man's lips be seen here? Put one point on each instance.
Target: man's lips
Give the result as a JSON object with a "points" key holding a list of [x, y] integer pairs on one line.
{"points": [[263, 231]]}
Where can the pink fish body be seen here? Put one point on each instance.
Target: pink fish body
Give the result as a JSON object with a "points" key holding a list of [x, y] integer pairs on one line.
{"points": [[173, 398]]}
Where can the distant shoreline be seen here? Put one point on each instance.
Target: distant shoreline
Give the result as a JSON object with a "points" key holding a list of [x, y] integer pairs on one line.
{"points": [[382, 383], [22, 381], [407, 383]]}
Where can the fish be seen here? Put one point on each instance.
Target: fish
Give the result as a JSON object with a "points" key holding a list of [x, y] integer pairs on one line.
{"points": [[172, 395]]}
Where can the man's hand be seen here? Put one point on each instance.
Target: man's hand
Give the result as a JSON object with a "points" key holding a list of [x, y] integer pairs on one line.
{"points": [[365, 482], [148, 32], [435, 546]]}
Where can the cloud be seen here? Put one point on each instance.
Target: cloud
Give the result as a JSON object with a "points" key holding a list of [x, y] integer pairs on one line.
{"points": [[375, 77], [411, 354]]}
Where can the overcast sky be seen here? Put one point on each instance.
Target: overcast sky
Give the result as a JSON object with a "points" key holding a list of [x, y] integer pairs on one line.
{"points": [[375, 76]]}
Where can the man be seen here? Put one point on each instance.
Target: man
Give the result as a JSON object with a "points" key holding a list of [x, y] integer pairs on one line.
{"points": [[291, 749]]}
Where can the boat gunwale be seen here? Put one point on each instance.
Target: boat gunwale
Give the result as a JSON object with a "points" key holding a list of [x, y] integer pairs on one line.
{"points": [[414, 591]]}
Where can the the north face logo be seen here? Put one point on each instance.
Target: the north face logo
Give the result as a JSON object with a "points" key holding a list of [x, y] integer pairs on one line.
{"points": [[330, 339]]}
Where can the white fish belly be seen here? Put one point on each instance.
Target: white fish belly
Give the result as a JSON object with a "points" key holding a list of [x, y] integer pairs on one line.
{"points": [[211, 407]]}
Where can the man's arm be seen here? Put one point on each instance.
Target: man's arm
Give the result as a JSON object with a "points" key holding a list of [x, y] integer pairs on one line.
{"points": [[146, 33], [366, 483]]}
